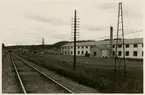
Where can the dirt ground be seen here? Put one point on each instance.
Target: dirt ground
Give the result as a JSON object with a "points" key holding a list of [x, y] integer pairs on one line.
{"points": [[9, 80]]}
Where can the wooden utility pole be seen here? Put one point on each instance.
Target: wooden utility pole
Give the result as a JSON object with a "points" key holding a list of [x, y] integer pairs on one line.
{"points": [[75, 34], [74, 39], [111, 42]]}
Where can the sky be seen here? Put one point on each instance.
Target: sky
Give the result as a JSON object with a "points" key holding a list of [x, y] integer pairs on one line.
{"points": [[26, 22]]}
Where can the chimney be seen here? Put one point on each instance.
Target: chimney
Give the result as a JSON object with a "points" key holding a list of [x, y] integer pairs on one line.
{"points": [[42, 41], [111, 41]]}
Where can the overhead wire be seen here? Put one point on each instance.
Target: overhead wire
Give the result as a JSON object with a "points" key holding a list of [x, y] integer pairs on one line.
{"points": [[126, 28]]}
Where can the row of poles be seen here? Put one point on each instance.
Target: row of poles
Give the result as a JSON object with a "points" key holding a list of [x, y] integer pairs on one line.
{"points": [[119, 62]]}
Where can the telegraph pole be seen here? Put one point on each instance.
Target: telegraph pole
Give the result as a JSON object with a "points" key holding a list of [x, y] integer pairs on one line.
{"points": [[74, 39], [120, 62], [75, 35], [111, 41]]}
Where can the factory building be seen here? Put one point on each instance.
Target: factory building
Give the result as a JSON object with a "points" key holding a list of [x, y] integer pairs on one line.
{"points": [[133, 48], [81, 48], [99, 51]]}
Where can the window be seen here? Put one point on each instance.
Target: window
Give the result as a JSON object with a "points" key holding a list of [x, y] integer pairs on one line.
{"points": [[113, 52], [127, 45], [71, 52], [119, 46], [113, 46], [86, 52], [134, 45], [82, 47], [78, 52], [142, 53], [86, 46], [127, 53], [71, 47], [78, 47], [119, 53], [82, 52], [142, 45], [134, 53]]}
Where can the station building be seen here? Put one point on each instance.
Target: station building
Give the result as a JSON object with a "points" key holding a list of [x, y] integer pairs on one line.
{"points": [[133, 48]]}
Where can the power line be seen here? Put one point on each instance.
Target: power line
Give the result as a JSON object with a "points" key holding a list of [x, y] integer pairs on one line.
{"points": [[113, 35], [116, 35]]}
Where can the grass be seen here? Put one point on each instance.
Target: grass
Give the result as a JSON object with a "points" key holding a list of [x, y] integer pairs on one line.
{"points": [[97, 73], [4, 54]]}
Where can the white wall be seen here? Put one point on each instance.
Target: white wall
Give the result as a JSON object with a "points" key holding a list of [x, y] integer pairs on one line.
{"points": [[84, 49], [139, 50], [65, 51], [105, 53], [97, 50]]}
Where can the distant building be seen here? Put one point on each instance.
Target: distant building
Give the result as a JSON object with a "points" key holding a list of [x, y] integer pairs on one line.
{"points": [[133, 48], [81, 48], [54, 51], [57, 51], [99, 51]]}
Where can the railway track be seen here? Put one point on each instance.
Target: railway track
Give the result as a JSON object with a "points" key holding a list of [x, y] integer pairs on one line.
{"points": [[32, 80]]}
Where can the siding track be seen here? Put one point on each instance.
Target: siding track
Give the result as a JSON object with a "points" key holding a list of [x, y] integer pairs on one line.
{"points": [[33, 80]]}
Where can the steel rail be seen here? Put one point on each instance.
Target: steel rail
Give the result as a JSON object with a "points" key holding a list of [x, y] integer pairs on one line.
{"points": [[45, 75], [20, 80]]}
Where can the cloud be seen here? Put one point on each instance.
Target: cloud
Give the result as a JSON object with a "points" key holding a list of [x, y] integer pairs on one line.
{"points": [[107, 6], [104, 6], [59, 36], [132, 14], [94, 28], [28, 21], [39, 18]]}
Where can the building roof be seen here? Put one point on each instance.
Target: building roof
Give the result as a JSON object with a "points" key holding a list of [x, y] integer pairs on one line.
{"points": [[81, 44], [102, 47], [106, 42]]}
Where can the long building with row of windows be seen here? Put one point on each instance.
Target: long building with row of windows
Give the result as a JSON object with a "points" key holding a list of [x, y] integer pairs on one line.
{"points": [[133, 48]]}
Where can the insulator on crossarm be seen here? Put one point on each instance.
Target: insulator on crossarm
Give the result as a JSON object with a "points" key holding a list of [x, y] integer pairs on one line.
{"points": [[76, 29], [76, 18], [77, 24]]}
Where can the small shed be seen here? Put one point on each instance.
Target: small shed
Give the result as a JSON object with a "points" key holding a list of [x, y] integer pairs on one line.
{"points": [[99, 51]]}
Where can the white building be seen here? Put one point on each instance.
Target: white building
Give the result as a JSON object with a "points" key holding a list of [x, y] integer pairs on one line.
{"points": [[81, 48], [99, 51], [133, 48]]}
